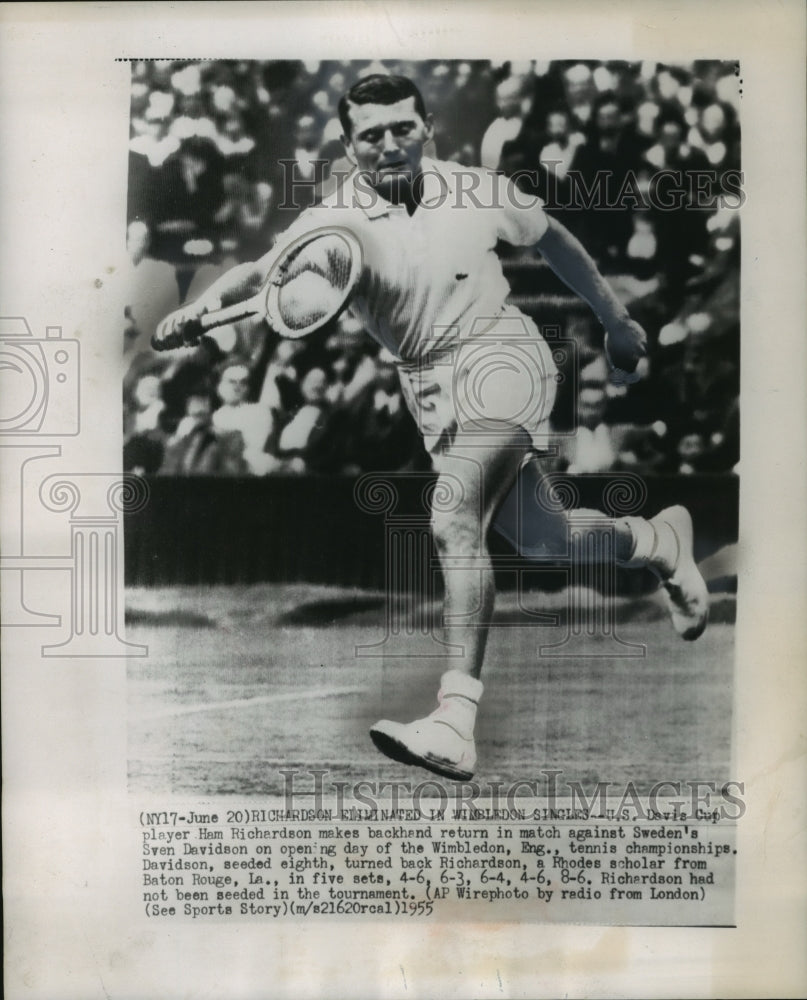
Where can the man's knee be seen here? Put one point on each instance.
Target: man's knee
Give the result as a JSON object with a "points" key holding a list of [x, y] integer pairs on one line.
{"points": [[458, 532]]}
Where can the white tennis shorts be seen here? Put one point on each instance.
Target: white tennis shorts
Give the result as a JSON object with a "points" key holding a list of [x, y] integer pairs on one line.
{"points": [[502, 372]]}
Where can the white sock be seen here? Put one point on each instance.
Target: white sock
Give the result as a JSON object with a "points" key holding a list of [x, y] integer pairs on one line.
{"points": [[458, 697], [655, 545]]}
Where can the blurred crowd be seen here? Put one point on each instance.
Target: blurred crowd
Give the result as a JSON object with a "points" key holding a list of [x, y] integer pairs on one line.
{"points": [[214, 148]]}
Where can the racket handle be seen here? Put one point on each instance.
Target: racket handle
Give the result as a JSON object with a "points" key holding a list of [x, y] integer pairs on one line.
{"points": [[191, 333], [230, 314]]}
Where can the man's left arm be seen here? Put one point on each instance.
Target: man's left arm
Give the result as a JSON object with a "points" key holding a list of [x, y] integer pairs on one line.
{"points": [[625, 340]]}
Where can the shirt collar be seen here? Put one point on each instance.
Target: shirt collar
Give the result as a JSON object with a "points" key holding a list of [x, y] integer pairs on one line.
{"points": [[438, 184]]}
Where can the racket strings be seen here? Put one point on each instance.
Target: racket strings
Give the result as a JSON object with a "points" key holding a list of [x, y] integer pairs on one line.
{"points": [[313, 282]]}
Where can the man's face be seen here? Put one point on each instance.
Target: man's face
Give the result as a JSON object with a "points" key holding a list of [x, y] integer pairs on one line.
{"points": [[234, 385], [387, 143], [198, 410], [557, 126], [608, 120]]}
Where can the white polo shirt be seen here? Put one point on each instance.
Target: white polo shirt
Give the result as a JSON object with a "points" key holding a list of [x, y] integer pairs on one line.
{"points": [[429, 276]]}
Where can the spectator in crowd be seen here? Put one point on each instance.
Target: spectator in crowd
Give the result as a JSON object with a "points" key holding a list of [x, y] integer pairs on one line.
{"points": [[280, 388], [253, 421], [599, 445], [189, 195], [144, 431], [197, 449], [379, 429], [234, 144], [541, 160], [680, 213], [352, 361], [242, 218], [149, 405], [581, 92], [559, 143], [153, 141], [304, 441], [592, 448], [194, 118], [506, 126], [305, 162], [642, 249], [711, 135], [606, 163]]}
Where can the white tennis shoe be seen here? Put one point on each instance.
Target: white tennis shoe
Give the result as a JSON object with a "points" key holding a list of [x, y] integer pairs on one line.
{"points": [[443, 742], [429, 743], [684, 588]]}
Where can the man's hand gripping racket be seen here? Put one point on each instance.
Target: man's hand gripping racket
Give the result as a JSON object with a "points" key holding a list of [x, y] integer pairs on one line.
{"points": [[308, 285]]}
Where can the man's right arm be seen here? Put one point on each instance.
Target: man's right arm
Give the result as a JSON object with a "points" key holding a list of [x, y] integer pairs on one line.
{"points": [[239, 283]]}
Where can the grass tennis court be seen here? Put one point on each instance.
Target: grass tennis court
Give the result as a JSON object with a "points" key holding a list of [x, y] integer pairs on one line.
{"points": [[242, 681]]}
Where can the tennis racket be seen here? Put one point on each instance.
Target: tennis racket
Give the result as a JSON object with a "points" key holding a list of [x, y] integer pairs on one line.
{"points": [[308, 285]]}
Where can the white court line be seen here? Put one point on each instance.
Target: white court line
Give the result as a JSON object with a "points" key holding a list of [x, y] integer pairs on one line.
{"points": [[264, 699]]}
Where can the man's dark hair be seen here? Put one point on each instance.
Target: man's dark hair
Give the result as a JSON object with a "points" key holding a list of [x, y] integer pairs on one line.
{"points": [[378, 89]]}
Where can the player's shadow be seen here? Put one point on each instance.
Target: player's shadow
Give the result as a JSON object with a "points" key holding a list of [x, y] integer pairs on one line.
{"points": [[330, 611], [509, 612], [173, 618]]}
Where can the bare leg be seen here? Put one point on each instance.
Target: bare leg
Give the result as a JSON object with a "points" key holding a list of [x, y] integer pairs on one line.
{"points": [[477, 479], [471, 484]]}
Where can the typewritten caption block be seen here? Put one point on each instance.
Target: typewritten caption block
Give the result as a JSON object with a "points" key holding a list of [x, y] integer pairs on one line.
{"points": [[546, 865]]}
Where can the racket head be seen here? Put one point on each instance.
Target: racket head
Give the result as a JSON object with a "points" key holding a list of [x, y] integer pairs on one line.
{"points": [[312, 280]]}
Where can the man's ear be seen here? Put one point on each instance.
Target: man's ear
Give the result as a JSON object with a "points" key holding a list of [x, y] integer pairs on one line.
{"points": [[429, 121], [348, 149]]}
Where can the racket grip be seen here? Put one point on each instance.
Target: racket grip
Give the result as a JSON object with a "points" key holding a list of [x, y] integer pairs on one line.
{"points": [[191, 332], [230, 314]]}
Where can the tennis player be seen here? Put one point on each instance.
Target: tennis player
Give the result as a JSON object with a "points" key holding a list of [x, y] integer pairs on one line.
{"points": [[476, 374]]}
